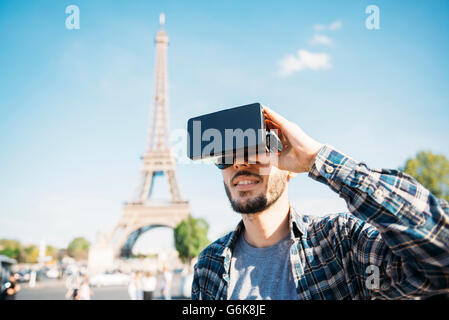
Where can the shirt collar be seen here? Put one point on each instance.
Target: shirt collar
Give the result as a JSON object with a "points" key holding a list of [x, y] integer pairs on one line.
{"points": [[297, 230], [232, 238], [298, 227]]}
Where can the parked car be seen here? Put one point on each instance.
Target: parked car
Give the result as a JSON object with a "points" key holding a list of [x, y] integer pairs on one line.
{"points": [[23, 275], [109, 279], [52, 273]]}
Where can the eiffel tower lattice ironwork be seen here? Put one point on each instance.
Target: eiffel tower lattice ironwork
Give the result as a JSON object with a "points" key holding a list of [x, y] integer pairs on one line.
{"points": [[142, 213]]}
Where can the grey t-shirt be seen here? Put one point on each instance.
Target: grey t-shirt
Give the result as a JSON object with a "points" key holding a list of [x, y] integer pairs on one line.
{"points": [[261, 273]]}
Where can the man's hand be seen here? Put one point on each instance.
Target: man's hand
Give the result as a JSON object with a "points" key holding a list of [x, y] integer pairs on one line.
{"points": [[298, 149]]}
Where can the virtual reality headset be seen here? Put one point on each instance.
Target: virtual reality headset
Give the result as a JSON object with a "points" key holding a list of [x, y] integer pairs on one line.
{"points": [[222, 135]]}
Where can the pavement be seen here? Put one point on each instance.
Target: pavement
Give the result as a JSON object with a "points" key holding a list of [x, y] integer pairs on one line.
{"points": [[58, 293], [53, 289]]}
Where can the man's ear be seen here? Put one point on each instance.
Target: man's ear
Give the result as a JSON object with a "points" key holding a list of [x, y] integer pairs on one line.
{"points": [[291, 175]]}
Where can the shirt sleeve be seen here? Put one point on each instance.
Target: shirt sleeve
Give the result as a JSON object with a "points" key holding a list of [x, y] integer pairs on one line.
{"points": [[195, 295], [409, 244]]}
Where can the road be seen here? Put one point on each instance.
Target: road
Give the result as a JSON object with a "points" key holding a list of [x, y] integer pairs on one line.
{"points": [[58, 293], [55, 290]]}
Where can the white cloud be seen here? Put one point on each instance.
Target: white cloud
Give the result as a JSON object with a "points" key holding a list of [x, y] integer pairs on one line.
{"points": [[304, 60], [335, 25], [332, 27], [321, 39], [319, 27]]}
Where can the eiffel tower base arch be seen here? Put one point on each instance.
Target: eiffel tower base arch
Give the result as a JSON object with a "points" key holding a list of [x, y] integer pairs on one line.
{"points": [[137, 216]]}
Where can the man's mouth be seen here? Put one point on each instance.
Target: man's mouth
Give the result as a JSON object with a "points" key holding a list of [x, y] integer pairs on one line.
{"points": [[245, 182]]}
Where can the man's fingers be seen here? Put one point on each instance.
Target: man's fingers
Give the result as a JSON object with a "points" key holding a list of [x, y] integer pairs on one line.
{"points": [[274, 117], [271, 125]]}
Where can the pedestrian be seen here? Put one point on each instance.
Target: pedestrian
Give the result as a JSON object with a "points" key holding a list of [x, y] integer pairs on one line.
{"points": [[132, 288], [73, 284], [32, 282], [85, 293], [135, 287], [148, 285], [10, 289], [167, 277], [139, 290]]}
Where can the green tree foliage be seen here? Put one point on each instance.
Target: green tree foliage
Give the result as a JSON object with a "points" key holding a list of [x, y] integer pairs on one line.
{"points": [[79, 248], [52, 251], [24, 254], [432, 171], [190, 238], [32, 253], [12, 249]]}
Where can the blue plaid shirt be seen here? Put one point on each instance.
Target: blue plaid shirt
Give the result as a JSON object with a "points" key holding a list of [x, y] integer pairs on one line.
{"points": [[393, 245]]}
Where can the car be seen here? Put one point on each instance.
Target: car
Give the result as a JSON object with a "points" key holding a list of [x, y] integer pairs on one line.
{"points": [[52, 273], [109, 279], [23, 275]]}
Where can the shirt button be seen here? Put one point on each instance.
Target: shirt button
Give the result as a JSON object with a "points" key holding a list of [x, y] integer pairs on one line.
{"points": [[378, 193], [329, 169]]}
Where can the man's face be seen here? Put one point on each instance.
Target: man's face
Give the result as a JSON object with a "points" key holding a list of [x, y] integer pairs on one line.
{"points": [[253, 185]]}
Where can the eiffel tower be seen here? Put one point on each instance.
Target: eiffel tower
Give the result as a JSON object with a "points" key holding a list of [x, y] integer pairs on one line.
{"points": [[142, 212]]}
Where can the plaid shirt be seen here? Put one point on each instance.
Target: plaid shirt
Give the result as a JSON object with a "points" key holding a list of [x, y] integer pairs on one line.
{"points": [[393, 245]]}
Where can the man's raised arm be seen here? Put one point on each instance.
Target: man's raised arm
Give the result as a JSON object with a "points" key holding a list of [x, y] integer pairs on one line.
{"points": [[411, 246]]}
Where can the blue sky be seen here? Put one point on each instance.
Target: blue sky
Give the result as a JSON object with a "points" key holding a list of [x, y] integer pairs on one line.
{"points": [[75, 104]]}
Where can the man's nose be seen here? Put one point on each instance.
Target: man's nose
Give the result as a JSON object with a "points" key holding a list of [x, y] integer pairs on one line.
{"points": [[244, 161], [240, 165], [240, 162]]}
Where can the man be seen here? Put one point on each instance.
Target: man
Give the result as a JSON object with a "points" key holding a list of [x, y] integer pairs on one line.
{"points": [[10, 289], [149, 283], [73, 284], [85, 293], [167, 277], [394, 243]]}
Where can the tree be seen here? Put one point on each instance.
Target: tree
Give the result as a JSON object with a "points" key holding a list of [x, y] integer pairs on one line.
{"points": [[12, 249], [79, 248], [23, 253], [432, 171], [31, 253], [52, 252], [190, 238]]}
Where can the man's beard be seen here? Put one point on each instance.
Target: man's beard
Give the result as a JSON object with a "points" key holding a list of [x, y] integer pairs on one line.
{"points": [[250, 206]]}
